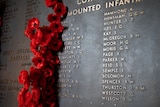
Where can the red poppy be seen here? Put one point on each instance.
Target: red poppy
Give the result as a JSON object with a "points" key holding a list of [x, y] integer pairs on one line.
{"points": [[24, 97], [38, 36], [34, 49], [45, 40], [52, 59], [33, 23], [38, 61], [49, 90], [50, 80], [23, 77], [27, 97], [55, 44], [27, 84], [20, 98], [51, 3], [34, 33], [36, 95], [42, 50], [56, 27], [30, 33], [53, 17], [35, 75], [47, 72], [60, 9]]}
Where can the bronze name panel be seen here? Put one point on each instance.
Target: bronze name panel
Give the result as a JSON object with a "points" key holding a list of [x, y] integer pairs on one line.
{"points": [[110, 58]]}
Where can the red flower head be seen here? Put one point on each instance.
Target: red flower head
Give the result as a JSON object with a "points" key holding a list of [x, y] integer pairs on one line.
{"points": [[20, 96], [55, 44], [33, 23], [23, 77], [24, 97], [33, 33], [53, 18], [50, 81], [38, 61], [45, 40], [49, 90], [51, 3], [52, 59], [35, 75], [34, 49], [60, 9], [47, 72], [56, 27], [36, 95]]}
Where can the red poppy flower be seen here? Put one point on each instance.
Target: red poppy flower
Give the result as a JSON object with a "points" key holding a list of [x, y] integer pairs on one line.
{"points": [[35, 75], [24, 97], [37, 37], [60, 9], [45, 40], [20, 98], [56, 27], [35, 95], [51, 3], [27, 84], [38, 61], [34, 49], [47, 72], [50, 81], [43, 50], [34, 33], [33, 23], [23, 77], [43, 82], [52, 59], [49, 90], [55, 44], [53, 17], [30, 33], [27, 97]]}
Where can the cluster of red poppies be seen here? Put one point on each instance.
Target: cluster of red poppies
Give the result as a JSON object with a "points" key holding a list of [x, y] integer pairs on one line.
{"points": [[40, 82]]}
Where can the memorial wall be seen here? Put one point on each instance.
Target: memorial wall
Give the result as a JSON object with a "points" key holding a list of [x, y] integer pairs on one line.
{"points": [[110, 57]]}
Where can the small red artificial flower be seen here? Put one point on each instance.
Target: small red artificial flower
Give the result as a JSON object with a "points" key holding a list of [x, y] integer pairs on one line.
{"points": [[24, 98], [55, 44], [38, 61], [33, 33], [30, 33], [51, 3], [60, 9], [35, 95], [45, 40], [33, 23], [53, 17], [49, 90], [52, 59], [34, 49], [35, 75], [23, 77], [50, 81], [56, 27], [48, 72]]}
